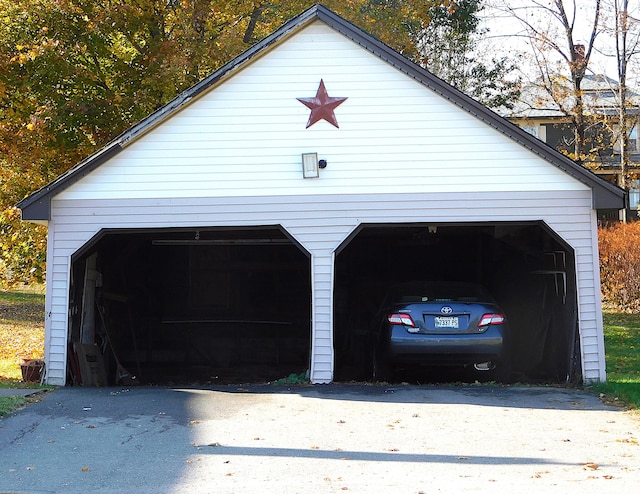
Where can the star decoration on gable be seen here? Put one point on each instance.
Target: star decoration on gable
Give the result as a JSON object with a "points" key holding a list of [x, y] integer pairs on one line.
{"points": [[322, 106]]}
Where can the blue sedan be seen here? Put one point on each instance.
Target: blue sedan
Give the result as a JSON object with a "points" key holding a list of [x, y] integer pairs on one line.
{"points": [[437, 324]]}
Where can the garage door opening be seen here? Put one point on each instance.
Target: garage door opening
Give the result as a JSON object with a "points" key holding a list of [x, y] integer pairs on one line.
{"points": [[527, 267], [189, 306]]}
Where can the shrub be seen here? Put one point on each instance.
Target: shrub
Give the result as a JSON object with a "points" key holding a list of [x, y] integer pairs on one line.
{"points": [[620, 266]]}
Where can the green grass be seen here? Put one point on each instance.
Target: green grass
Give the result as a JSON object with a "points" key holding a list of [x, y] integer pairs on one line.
{"points": [[10, 403], [21, 336], [9, 372], [21, 331], [292, 379], [30, 295], [622, 344]]}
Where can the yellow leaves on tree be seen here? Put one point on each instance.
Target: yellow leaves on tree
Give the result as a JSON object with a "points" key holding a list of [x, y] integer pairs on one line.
{"points": [[22, 249]]}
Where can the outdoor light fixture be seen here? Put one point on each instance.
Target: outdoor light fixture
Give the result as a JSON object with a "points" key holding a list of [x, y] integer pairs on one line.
{"points": [[310, 165]]}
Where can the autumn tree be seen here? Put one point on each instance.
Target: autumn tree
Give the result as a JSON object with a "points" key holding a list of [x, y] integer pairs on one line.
{"points": [[449, 48], [562, 36], [76, 73]]}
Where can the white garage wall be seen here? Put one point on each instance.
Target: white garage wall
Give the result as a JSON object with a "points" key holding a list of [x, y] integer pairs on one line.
{"points": [[246, 135], [320, 223]]}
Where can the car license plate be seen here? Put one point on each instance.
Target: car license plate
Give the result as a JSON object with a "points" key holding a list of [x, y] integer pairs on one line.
{"points": [[447, 322]]}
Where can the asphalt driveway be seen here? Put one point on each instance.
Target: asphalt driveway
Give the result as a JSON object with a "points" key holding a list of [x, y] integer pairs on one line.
{"points": [[320, 439]]}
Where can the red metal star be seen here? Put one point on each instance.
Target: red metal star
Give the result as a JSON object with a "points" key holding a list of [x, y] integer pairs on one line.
{"points": [[322, 106]]}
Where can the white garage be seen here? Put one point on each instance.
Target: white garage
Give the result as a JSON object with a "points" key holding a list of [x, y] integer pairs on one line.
{"points": [[250, 226]]}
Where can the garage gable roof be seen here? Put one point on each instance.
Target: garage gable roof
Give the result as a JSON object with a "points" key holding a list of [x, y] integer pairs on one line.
{"points": [[606, 195]]}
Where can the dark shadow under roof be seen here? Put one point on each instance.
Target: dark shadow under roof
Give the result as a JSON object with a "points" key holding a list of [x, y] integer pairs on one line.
{"points": [[606, 195]]}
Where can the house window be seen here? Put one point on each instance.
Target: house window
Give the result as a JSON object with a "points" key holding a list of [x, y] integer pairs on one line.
{"points": [[632, 146], [598, 140], [534, 130], [560, 136], [632, 143], [634, 195]]}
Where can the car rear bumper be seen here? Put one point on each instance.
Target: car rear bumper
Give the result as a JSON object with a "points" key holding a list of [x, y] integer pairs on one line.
{"points": [[446, 348]]}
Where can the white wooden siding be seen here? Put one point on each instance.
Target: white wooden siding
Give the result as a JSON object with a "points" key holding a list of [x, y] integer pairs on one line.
{"points": [[321, 223], [322, 301], [56, 310], [246, 135]]}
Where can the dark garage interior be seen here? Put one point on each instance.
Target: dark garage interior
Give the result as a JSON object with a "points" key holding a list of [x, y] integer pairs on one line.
{"points": [[233, 305], [196, 306], [525, 266]]}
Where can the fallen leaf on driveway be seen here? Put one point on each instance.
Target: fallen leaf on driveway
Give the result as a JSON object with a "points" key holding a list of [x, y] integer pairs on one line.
{"points": [[539, 474], [628, 441]]}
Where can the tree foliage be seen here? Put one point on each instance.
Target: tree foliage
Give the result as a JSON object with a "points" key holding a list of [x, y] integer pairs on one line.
{"points": [[449, 49], [560, 55], [23, 248], [76, 73]]}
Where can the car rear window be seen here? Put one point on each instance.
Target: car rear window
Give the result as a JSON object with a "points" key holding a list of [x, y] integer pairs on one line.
{"points": [[437, 292]]}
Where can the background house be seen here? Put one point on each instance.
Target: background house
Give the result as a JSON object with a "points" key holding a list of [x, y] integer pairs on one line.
{"points": [[538, 114], [250, 227]]}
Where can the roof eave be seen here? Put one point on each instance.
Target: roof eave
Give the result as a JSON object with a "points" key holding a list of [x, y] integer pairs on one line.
{"points": [[37, 206]]}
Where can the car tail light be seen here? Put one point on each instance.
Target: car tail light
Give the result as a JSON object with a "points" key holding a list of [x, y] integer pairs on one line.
{"points": [[490, 319], [401, 319]]}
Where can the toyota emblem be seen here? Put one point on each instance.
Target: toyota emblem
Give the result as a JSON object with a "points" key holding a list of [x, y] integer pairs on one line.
{"points": [[446, 310]]}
